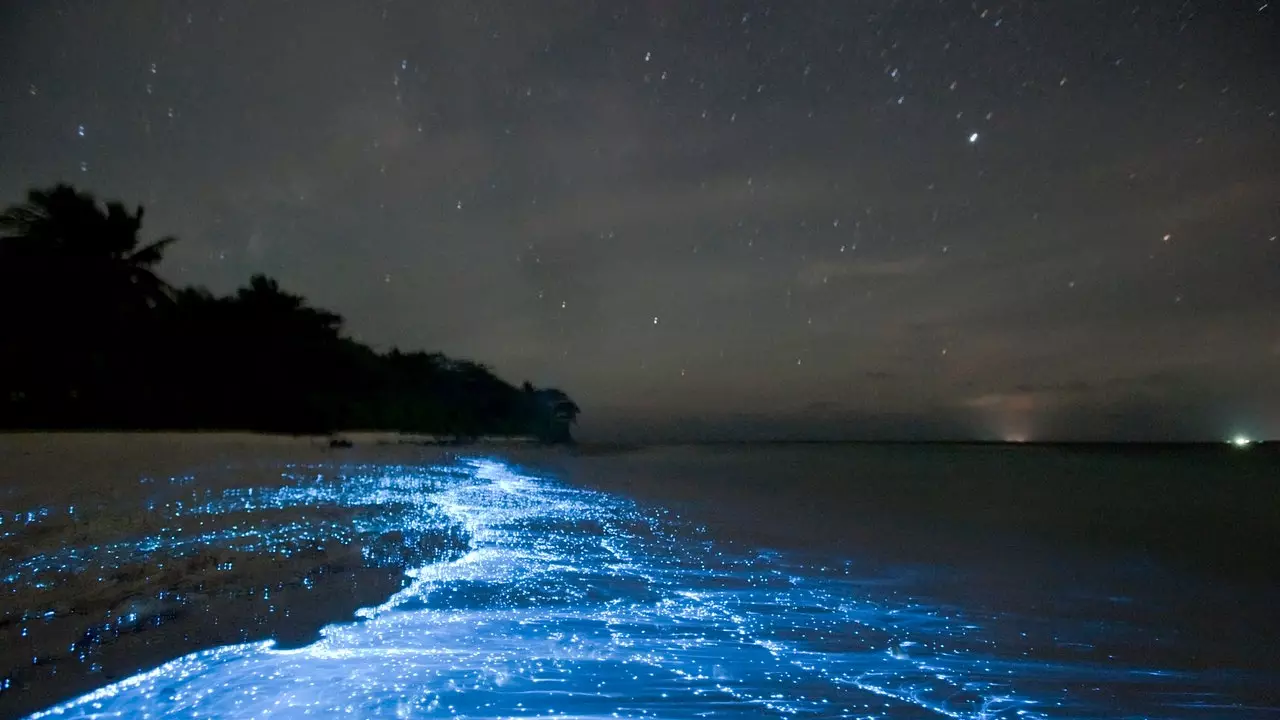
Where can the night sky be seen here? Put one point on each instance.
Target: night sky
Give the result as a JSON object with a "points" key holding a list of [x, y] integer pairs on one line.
{"points": [[711, 220]]}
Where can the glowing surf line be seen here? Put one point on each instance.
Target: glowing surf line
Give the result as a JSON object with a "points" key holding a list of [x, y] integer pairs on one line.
{"points": [[572, 603]]}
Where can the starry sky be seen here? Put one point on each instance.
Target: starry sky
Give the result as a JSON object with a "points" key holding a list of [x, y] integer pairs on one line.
{"points": [[918, 218]]}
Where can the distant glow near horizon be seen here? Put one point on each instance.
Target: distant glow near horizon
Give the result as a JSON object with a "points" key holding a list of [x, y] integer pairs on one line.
{"points": [[578, 603], [1241, 441], [713, 220]]}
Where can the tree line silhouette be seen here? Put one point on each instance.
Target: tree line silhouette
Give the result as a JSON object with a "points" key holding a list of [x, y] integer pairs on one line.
{"points": [[94, 338]]}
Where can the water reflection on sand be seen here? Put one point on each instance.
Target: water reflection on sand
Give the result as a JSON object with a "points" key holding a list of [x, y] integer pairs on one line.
{"points": [[576, 603]]}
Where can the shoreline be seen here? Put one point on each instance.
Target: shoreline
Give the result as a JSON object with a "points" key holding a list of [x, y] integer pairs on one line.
{"points": [[102, 583], [395, 437], [887, 506]]}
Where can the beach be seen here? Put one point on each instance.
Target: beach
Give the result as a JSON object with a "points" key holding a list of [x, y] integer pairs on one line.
{"points": [[894, 580]]}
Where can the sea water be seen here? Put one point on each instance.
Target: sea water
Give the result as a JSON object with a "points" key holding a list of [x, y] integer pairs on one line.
{"points": [[566, 600]]}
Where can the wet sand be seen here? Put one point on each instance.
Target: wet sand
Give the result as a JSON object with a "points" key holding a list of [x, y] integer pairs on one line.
{"points": [[1159, 559], [123, 551]]}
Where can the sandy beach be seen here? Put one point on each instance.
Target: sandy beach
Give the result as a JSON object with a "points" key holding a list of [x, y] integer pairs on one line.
{"points": [[128, 551]]}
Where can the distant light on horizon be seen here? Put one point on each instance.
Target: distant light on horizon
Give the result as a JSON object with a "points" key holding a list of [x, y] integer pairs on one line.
{"points": [[598, 163], [1241, 441]]}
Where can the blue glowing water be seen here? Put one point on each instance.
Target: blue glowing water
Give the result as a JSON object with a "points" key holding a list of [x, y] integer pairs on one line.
{"points": [[576, 603]]}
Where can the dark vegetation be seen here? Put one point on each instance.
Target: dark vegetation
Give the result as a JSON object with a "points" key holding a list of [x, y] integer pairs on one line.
{"points": [[91, 337]]}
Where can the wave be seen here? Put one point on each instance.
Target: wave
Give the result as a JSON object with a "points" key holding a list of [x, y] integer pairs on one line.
{"points": [[574, 603]]}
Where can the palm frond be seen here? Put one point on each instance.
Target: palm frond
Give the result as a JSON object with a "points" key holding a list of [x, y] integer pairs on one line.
{"points": [[153, 253]]}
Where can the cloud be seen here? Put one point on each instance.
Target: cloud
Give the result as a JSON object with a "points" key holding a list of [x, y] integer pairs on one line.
{"points": [[1073, 387], [1005, 402], [1026, 398], [820, 272], [609, 209]]}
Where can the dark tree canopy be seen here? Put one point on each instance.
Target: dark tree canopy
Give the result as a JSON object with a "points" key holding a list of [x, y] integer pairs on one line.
{"points": [[92, 337]]}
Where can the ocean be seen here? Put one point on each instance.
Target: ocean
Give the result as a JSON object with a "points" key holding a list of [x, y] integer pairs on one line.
{"points": [[245, 576]]}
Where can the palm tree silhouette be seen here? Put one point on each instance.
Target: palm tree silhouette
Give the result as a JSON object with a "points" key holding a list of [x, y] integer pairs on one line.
{"points": [[91, 247], [91, 337], [78, 291]]}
